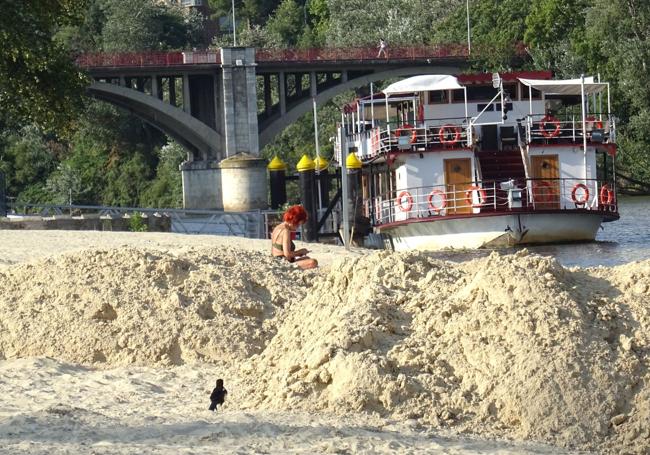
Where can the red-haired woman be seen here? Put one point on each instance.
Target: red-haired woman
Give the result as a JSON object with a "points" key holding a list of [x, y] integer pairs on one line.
{"points": [[281, 244]]}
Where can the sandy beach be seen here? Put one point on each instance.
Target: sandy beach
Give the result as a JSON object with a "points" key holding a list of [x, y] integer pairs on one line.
{"points": [[112, 342]]}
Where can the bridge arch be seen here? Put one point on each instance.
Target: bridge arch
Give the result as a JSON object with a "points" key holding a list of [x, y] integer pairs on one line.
{"points": [[199, 139], [276, 126]]}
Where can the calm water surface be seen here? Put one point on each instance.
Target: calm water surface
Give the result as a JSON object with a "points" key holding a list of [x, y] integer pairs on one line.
{"points": [[618, 242]]}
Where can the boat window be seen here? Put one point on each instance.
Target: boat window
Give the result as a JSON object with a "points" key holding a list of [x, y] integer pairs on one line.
{"points": [[438, 97], [458, 96], [481, 93], [508, 106], [480, 107]]}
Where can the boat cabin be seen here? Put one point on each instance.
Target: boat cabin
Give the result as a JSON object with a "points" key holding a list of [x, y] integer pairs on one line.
{"points": [[469, 145]]}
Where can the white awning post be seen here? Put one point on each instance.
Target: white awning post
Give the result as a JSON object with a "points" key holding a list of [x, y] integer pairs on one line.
{"points": [[372, 104], [415, 112], [387, 117], [503, 101], [610, 120], [362, 117], [470, 139], [584, 122], [344, 192]]}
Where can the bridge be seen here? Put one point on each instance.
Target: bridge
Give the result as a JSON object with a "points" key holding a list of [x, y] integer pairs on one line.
{"points": [[220, 104]]}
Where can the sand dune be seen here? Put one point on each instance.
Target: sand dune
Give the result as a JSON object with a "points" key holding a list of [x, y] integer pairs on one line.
{"points": [[374, 352]]}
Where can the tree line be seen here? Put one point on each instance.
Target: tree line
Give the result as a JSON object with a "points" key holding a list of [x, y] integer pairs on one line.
{"points": [[57, 145]]}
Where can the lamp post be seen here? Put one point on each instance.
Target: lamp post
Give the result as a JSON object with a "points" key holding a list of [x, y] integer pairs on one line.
{"points": [[469, 41], [234, 27]]}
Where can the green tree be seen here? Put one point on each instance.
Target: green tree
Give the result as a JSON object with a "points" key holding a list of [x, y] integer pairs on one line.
{"points": [[248, 12], [127, 179], [27, 160], [64, 184], [617, 45], [148, 25], [39, 82], [166, 189], [497, 26], [284, 28], [399, 22], [554, 32]]}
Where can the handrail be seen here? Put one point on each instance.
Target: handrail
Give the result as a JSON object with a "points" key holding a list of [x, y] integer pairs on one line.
{"points": [[312, 55], [541, 128], [469, 198]]}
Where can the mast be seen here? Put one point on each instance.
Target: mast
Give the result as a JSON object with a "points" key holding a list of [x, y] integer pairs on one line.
{"points": [[584, 122]]}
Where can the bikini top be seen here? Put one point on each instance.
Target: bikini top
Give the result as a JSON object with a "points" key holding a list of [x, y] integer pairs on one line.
{"points": [[279, 246]]}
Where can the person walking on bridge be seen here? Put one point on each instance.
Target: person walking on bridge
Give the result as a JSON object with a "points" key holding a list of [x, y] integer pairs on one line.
{"points": [[382, 49]]}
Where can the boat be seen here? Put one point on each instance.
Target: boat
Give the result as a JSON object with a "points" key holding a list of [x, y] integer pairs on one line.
{"points": [[483, 160]]}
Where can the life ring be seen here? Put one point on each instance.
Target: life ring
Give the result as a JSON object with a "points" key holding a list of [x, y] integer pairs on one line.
{"points": [[583, 187], [606, 195], [593, 123], [407, 127], [542, 196], [443, 200], [442, 134], [481, 193], [409, 201], [549, 133]]}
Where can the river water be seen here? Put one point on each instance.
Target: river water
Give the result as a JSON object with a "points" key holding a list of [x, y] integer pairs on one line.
{"points": [[618, 242]]}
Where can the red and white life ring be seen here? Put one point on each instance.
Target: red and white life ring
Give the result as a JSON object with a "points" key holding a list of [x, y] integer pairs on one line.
{"points": [[482, 196], [443, 200], [405, 128], [404, 196], [549, 133], [453, 130], [606, 195], [574, 193]]}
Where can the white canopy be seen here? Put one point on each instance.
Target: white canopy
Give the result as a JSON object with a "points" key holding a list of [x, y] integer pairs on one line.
{"points": [[426, 83], [564, 87]]}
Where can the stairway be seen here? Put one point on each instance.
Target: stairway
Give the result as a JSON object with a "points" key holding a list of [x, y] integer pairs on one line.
{"points": [[500, 166]]}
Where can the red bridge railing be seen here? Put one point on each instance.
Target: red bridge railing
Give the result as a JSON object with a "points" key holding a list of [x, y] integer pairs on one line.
{"points": [[130, 59], [359, 53], [143, 59]]}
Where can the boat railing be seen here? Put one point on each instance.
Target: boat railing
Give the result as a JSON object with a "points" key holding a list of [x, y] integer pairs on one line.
{"points": [[475, 198], [432, 134], [562, 129]]}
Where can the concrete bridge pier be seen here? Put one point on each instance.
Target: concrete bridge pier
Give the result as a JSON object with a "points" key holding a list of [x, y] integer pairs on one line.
{"points": [[235, 178], [202, 187]]}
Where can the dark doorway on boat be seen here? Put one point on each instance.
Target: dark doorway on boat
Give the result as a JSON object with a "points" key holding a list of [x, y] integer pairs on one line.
{"points": [[489, 137]]}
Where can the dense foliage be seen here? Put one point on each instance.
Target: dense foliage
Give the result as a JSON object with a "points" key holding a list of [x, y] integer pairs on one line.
{"points": [[38, 81], [56, 147]]}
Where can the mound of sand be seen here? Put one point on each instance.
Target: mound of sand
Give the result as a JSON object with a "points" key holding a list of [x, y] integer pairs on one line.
{"points": [[132, 306], [510, 346]]}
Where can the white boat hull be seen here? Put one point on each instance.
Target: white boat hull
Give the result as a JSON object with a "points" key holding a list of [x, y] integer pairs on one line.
{"points": [[488, 231]]}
